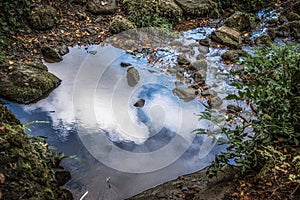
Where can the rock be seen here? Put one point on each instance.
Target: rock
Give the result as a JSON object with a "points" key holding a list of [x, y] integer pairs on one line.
{"points": [[63, 50], [140, 103], [233, 109], [215, 102], [199, 8], [200, 76], [124, 64], [26, 84], [233, 55], [263, 40], [133, 77], [291, 16], [40, 66], [209, 92], [185, 94], [43, 17], [296, 7], [241, 21], [183, 60], [283, 31], [199, 65], [272, 22], [228, 37], [162, 8], [204, 42], [81, 2], [272, 33], [295, 29], [203, 49], [51, 55], [98, 7], [119, 24], [62, 176]]}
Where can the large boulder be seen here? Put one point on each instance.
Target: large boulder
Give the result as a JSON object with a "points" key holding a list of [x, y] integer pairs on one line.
{"points": [[25, 83], [119, 24], [43, 17], [228, 37], [102, 7], [241, 21], [199, 8], [185, 94]]}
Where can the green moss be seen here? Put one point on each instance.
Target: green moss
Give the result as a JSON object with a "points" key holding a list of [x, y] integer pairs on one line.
{"points": [[26, 163]]}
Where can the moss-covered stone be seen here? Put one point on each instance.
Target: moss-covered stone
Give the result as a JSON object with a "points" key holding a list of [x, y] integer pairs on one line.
{"points": [[25, 164], [43, 17], [241, 21], [101, 7], [24, 83], [119, 24], [295, 29], [228, 37], [199, 8], [263, 40]]}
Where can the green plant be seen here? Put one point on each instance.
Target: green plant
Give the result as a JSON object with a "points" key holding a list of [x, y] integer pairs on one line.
{"points": [[269, 90]]}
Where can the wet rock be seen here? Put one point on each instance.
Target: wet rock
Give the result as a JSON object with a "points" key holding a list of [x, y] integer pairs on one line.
{"points": [[209, 92], [98, 7], [272, 33], [26, 84], [233, 109], [199, 8], [263, 40], [51, 55], [199, 65], [63, 50], [241, 21], [40, 66], [43, 17], [119, 24], [200, 56], [133, 77], [283, 31], [291, 16], [233, 55], [183, 60], [272, 22], [228, 37], [140, 103], [204, 42], [203, 49], [200, 76], [295, 29], [215, 102], [124, 64], [185, 94], [62, 176]]}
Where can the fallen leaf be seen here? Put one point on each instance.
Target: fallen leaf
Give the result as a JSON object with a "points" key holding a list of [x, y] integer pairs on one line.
{"points": [[269, 184], [2, 178], [2, 128]]}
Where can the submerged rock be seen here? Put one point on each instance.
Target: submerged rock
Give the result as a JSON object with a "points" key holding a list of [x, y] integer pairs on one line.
{"points": [[43, 17], [228, 37], [140, 103], [133, 77], [199, 8], [25, 83], [51, 55], [186, 94], [241, 21], [119, 24], [98, 7]]}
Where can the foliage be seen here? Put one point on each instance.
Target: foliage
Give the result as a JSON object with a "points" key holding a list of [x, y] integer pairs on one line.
{"points": [[243, 5], [145, 13], [268, 90], [11, 12]]}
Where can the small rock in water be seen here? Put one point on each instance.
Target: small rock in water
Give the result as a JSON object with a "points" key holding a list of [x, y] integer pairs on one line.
{"points": [[215, 102], [125, 64], [93, 52], [234, 108], [211, 93], [63, 50], [204, 42], [140, 103], [183, 60], [51, 55], [186, 94], [133, 77]]}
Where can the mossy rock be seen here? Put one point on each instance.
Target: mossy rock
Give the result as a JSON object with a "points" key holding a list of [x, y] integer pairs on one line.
{"points": [[295, 29], [26, 164], [119, 24], [228, 37], [24, 83], [102, 7], [146, 13], [241, 21], [233, 55], [199, 8], [43, 17], [263, 40]]}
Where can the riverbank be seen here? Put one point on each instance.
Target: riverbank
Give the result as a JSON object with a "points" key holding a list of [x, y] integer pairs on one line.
{"points": [[81, 23]]}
